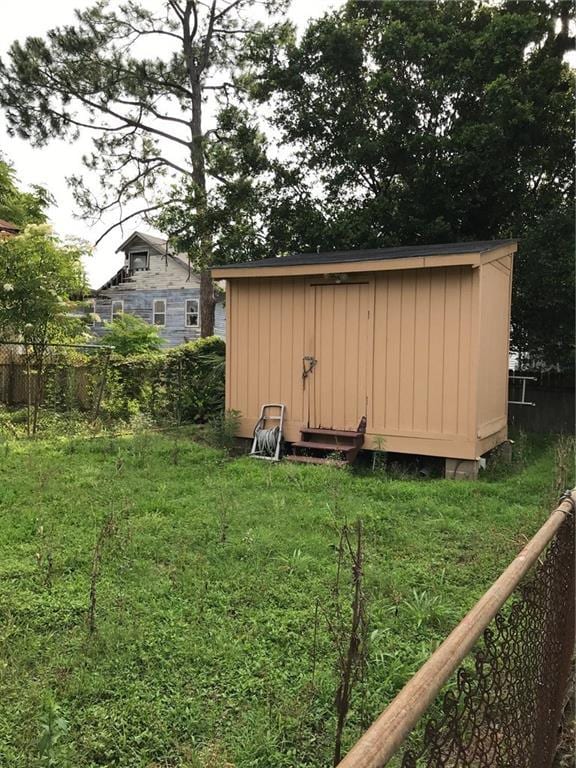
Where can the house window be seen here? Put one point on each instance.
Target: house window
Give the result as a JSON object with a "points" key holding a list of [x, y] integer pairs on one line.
{"points": [[192, 313], [159, 312], [91, 312], [117, 309], [138, 261]]}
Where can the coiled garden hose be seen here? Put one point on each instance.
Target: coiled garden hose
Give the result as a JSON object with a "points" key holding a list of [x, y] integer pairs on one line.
{"points": [[267, 440]]}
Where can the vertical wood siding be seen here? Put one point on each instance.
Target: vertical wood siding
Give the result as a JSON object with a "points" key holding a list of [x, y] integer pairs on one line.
{"points": [[494, 345], [274, 323], [266, 345], [339, 385], [422, 331], [402, 347]]}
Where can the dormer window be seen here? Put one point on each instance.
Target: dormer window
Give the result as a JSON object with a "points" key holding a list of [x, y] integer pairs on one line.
{"points": [[138, 261]]}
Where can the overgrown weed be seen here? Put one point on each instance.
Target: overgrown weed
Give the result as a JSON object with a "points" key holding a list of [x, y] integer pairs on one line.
{"points": [[564, 457], [221, 430], [53, 730], [205, 642]]}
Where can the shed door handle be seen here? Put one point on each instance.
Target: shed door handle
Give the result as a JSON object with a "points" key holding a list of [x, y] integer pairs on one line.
{"points": [[308, 365]]}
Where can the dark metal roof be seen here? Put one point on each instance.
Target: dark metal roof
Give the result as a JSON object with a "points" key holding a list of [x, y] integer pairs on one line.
{"points": [[373, 254]]}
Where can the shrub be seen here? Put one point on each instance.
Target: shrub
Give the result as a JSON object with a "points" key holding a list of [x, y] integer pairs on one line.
{"points": [[133, 386], [195, 378], [182, 385], [222, 429], [130, 335]]}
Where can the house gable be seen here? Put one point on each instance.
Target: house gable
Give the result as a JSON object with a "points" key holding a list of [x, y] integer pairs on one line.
{"points": [[140, 239], [158, 286], [149, 265]]}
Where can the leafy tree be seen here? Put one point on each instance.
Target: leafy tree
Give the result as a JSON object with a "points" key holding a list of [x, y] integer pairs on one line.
{"points": [[234, 222], [20, 207], [38, 275], [146, 114], [428, 122], [130, 335]]}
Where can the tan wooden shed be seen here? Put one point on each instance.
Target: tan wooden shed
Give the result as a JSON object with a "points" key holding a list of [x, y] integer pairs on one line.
{"points": [[415, 339]]}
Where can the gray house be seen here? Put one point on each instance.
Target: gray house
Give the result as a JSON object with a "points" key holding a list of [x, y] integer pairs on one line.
{"points": [[158, 286]]}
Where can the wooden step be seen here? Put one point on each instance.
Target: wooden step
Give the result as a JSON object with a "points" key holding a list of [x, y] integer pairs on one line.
{"points": [[347, 442], [315, 460], [324, 446]]}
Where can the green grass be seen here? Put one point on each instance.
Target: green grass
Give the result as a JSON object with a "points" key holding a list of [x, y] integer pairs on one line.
{"points": [[203, 653]]}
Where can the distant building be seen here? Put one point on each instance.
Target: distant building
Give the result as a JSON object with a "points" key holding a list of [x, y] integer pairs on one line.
{"points": [[157, 285], [8, 228]]}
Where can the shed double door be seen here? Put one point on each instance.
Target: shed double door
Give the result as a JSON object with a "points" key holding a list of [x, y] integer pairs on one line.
{"points": [[339, 383]]}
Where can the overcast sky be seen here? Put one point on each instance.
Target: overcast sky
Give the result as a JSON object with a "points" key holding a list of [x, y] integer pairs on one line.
{"points": [[50, 166]]}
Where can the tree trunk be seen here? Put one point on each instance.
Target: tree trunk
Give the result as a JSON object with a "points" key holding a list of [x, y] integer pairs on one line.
{"points": [[195, 67], [207, 303]]}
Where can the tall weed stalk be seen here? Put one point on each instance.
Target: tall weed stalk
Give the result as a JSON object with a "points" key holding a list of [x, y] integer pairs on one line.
{"points": [[349, 633], [107, 530]]}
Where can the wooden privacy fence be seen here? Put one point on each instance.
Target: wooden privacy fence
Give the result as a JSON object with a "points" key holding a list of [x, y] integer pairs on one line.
{"points": [[553, 396], [505, 704]]}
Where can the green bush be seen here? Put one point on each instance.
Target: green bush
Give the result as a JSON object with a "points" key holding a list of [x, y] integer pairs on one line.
{"points": [[133, 386], [184, 384], [222, 429], [130, 335], [195, 378]]}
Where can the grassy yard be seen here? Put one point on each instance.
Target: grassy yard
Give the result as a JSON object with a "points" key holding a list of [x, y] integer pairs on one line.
{"points": [[203, 653]]}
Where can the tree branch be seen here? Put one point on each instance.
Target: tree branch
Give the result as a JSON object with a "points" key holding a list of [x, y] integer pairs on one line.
{"points": [[208, 39], [104, 108], [195, 24], [177, 9], [137, 123], [151, 31], [125, 186], [92, 126], [226, 10], [124, 219], [164, 161], [223, 87], [152, 110], [219, 178], [241, 31], [161, 82]]}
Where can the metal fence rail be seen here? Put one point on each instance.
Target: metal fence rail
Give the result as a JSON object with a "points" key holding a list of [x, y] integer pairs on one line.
{"points": [[504, 707]]}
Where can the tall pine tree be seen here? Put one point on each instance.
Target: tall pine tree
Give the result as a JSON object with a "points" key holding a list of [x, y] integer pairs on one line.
{"points": [[138, 80]]}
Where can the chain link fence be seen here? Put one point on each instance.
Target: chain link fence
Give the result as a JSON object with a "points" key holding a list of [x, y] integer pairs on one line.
{"points": [[69, 389], [50, 385], [503, 707]]}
